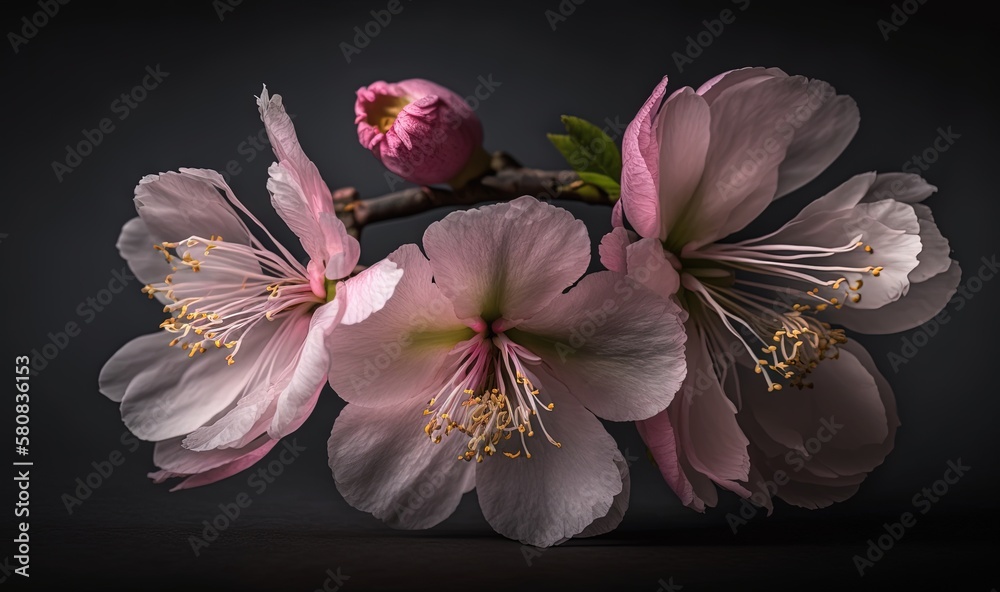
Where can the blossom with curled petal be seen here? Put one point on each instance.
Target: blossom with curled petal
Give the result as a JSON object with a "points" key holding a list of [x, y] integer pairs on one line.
{"points": [[481, 372], [242, 357], [768, 314]]}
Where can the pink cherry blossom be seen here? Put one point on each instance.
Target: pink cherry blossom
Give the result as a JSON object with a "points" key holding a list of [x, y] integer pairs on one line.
{"points": [[419, 130], [481, 372], [247, 357], [772, 311]]}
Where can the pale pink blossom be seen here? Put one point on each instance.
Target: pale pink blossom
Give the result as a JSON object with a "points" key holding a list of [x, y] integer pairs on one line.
{"points": [[419, 130], [242, 358], [481, 372], [767, 314]]}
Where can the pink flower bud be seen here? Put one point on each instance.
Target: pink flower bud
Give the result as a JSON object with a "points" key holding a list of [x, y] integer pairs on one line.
{"points": [[421, 131]]}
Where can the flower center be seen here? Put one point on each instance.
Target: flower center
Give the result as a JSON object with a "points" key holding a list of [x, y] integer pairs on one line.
{"points": [[382, 112], [217, 300], [488, 399], [758, 292]]}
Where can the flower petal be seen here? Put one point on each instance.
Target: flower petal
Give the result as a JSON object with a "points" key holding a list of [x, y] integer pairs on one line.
{"points": [[660, 437], [204, 468], [616, 345], [298, 398], [920, 304], [683, 126], [506, 260], [747, 147], [612, 250], [819, 141], [841, 430], [698, 437], [740, 76], [176, 394], [398, 351], [618, 507], [648, 264], [640, 167], [135, 244], [558, 492], [175, 206], [384, 464], [314, 195], [368, 291]]}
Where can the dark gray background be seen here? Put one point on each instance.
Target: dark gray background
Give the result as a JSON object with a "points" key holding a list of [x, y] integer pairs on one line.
{"points": [[57, 249]]}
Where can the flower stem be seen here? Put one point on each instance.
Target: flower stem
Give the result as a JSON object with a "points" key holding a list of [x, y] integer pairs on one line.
{"points": [[506, 180]]}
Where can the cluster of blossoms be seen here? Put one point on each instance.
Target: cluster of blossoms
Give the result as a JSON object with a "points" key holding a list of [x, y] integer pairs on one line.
{"points": [[728, 354]]}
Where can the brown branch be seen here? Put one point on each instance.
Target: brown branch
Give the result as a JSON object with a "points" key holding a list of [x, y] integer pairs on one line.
{"points": [[505, 180]]}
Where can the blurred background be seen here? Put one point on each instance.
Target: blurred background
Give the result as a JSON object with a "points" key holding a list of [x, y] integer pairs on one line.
{"points": [[918, 71]]}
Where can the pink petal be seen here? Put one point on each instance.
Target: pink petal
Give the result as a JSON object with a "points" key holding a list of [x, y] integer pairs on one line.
{"points": [[558, 492], [617, 346], [176, 395], [619, 506], [640, 168], [682, 129], [384, 464], [368, 291], [612, 250], [661, 439], [648, 264], [175, 206], [844, 428], [298, 397], [397, 352], [204, 468], [705, 420], [315, 196], [819, 141], [135, 245], [506, 260], [741, 76], [750, 134]]}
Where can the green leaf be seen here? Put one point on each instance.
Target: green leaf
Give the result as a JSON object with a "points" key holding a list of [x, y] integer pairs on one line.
{"points": [[598, 151], [606, 183], [567, 147]]}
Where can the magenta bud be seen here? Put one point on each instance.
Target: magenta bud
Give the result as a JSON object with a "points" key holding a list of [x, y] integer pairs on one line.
{"points": [[420, 131]]}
